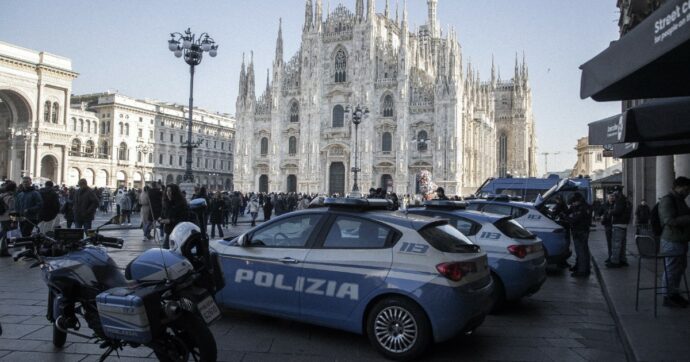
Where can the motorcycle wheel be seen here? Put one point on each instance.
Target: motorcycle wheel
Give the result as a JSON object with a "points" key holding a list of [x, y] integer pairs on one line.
{"points": [[188, 336], [59, 337]]}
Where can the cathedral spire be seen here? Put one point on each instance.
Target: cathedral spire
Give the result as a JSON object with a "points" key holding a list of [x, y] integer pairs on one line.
{"points": [[250, 78], [279, 42], [359, 10], [308, 15], [396, 12], [242, 93], [493, 71], [318, 18], [517, 71], [404, 19], [432, 23], [386, 11], [268, 81], [371, 10]]}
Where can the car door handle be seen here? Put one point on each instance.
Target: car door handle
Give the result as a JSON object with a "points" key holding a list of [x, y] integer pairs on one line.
{"points": [[289, 260]]}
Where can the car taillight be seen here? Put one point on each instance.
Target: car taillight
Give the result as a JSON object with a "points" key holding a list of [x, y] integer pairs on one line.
{"points": [[521, 251], [456, 271]]}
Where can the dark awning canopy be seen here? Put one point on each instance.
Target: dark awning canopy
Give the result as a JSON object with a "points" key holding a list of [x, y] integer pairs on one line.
{"points": [[652, 148], [657, 120], [651, 61], [608, 181]]}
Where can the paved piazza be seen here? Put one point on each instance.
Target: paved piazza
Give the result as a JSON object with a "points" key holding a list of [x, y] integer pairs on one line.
{"points": [[567, 320]]}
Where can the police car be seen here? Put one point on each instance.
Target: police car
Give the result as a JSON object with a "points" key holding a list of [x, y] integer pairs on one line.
{"points": [[405, 281], [553, 235], [516, 256]]}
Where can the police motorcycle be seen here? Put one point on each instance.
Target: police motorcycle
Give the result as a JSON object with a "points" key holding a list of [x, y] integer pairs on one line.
{"points": [[163, 301]]}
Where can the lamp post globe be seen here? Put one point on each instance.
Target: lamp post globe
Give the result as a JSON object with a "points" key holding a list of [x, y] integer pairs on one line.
{"points": [[190, 46], [357, 115]]}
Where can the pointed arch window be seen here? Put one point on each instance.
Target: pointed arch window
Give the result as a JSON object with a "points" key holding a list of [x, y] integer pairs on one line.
{"points": [[386, 142], [294, 112], [55, 112], [338, 116], [264, 146], [387, 106], [88, 126], [127, 129], [81, 125], [502, 155], [122, 152], [46, 112], [292, 145], [340, 66], [74, 124]]}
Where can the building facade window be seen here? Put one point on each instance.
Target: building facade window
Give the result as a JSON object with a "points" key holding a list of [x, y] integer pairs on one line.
{"points": [[502, 155], [294, 112], [292, 145], [338, 116], [170, 160], [105, 150], [422, 138], [55, 112], [386, 142], [387, 106], [122, 152], [46, 112], [88, 150], [151, 157], [160, 159], [75, 150], [81, 125], [74, 124], [340, 66], [179, 161], [127, 129], [264, 146]]}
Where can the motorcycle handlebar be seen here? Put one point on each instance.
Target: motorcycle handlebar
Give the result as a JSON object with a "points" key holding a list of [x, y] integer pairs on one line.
{"points": [[23, 241], [110, 242]]}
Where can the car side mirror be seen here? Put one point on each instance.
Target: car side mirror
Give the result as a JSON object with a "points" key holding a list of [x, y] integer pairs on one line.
{"points": [[243, 240]]}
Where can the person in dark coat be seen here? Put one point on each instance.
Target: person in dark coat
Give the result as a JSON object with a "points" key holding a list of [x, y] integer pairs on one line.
{"points": [[202, 212], [175, 211], [578, 217], [51, 207], [268, 208], [235, 204], [156, 202], [607, 208], [68, 208], [28, 203], [85, 206], [441, 194], [216, 210], [642, 216]]}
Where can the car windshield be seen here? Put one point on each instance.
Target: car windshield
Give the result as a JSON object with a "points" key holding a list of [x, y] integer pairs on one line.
{"points": [[448, 239], [513, 229]]}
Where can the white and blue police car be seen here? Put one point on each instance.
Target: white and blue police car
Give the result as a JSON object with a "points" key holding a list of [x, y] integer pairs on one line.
{"points": [[516, 256], [404, 281], [552, 234]]}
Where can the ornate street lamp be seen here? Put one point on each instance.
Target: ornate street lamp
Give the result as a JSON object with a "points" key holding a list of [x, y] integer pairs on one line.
{"points": [[358, 114], [192, 48]]}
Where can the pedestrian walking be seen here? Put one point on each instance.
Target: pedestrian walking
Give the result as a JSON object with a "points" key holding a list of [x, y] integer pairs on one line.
{"points": [[145, 212], [201, 212], [235, 204], [85, 206], [48, 215], [125, 209], [620, 218], [254, 209], [674, 216], [216, 210], [175, 211], [156, 201], [28, 204], [578, 217], [68, 208], [7, 193], [606, 222], [268, 208]]}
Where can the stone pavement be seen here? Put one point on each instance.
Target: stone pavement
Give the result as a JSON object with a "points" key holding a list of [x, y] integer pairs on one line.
{"points": [[568, 320], [666, 337]]}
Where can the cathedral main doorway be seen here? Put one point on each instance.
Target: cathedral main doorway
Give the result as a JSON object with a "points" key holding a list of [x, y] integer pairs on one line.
{"points": [[292, 183], [263, 183], [336, 179]]}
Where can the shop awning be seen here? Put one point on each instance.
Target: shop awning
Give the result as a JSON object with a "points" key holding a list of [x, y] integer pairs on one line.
{"points": [[657, 120], [652, 148], [608, 181], [650, 61]]}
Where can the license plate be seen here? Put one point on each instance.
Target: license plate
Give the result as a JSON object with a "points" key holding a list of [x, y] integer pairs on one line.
{"points": [[209, 310]]}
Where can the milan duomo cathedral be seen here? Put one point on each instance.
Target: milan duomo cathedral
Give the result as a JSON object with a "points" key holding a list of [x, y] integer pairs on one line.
{"points": [[427, 115]]}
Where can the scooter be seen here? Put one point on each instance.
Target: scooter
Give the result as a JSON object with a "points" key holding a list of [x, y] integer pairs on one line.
{"points": [[164, 300]]}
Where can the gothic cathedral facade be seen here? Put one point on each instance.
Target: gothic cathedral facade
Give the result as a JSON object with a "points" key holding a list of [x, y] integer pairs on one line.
{"points": [[427, 116]]}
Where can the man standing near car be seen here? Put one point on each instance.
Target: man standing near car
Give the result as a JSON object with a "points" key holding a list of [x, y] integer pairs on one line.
{"points": [[51, 207], [578, 217], [674, 216], [28, 204]]}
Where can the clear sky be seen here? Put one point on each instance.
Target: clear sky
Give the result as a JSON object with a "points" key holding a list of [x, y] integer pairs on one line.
{"points": [[122, 45]]}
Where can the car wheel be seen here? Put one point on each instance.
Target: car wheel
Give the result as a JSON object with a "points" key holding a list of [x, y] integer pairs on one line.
{"points": [[398, 328], [498, 295]]}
